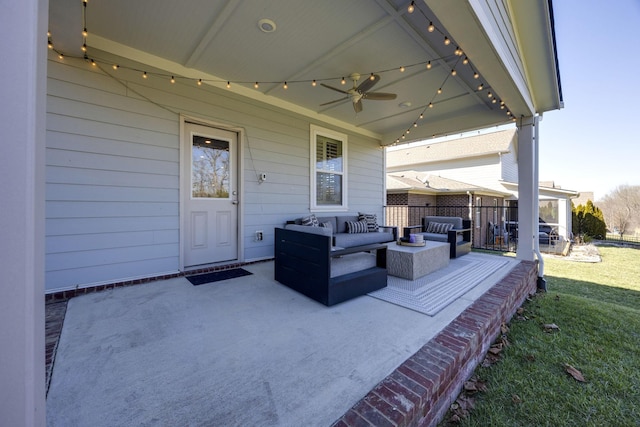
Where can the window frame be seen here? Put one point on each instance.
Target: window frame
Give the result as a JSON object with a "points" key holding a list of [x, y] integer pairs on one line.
{"points": [[315, 132]]}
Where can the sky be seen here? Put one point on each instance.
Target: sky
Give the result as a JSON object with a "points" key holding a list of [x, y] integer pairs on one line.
{"points": [[593, 143]]}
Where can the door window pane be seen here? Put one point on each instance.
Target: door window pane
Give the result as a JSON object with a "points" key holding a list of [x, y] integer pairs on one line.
{"points": [[209, 168], [329, 169]]}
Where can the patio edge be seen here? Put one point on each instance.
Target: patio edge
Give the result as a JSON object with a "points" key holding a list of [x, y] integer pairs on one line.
{"points": [[420, 391]]}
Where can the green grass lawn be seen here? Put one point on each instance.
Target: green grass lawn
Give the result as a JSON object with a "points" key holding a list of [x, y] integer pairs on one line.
{"points": [[597, 309]]}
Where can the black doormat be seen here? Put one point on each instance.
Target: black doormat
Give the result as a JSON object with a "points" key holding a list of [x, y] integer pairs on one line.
{"points": [[216, 276]]}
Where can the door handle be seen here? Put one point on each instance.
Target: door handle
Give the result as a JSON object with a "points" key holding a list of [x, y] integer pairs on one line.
{"points": [[234, 202]]}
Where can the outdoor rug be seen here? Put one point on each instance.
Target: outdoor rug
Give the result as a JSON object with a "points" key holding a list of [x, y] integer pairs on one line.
{"points": [[435, 291], [201, 279]]}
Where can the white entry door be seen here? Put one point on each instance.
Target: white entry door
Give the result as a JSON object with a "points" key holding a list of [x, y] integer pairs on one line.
{"points": [[210, 195]]}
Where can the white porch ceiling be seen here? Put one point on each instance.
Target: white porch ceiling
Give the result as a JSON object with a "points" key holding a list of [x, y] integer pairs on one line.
{"points": [[326, 40]]}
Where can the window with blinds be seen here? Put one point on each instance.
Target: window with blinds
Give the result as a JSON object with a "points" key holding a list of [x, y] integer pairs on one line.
{"points": [[328, 169]]}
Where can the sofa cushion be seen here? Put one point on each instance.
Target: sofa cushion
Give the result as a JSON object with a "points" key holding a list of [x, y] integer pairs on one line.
{"points": [[350, 240], [371, 219], [439, 227], [330, 219], [309, 229], [354, 227], [327, 224], [440, 237]]}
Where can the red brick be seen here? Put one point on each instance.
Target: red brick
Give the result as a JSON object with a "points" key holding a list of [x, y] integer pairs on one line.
{"points": [[353, 419], [391, 412], [372, 415], [397, 400]]}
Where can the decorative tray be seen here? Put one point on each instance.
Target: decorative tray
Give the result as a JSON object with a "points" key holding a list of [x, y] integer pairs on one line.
{"points": [[405, 242]]}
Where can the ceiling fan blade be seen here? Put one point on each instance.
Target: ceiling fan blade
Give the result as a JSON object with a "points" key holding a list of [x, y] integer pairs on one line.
{"points": [[357, 106], [368, 83], [379, 96], [333, 102], [333, 88]]}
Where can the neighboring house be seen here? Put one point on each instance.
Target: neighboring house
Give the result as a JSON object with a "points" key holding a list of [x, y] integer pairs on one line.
{"points": [[487, 160], [106, 136]]}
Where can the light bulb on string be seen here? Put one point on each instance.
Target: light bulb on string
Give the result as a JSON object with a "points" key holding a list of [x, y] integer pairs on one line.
{"points": [[48, 33], [447, 42], [372, 77], [494, 101], [431, 28], [428, 65], [458, 51], [228, 85], [173, 80], [256, 85], [454, 72], [199, 83], [49, 44], [115, 66], [285, 86], [93, 63], [60, 56], [402, 68], [439, 90], [431, 105], [421, 116], [343, 81], [144, 75], [480, 86], [84, 47], [489, 95], [465, 61], [313, 83], [84, 33], [411, 7], [415, 125], [476, 75]]}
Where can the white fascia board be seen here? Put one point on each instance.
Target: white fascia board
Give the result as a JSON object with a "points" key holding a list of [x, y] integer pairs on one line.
{"points": [[484, 32], [171, 67]]}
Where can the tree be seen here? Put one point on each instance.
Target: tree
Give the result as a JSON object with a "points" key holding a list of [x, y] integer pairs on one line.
{"points": [[588, 220], [621, 208]]}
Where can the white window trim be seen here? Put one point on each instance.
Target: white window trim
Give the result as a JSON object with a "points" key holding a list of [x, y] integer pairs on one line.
{"points": [[316, 131]]}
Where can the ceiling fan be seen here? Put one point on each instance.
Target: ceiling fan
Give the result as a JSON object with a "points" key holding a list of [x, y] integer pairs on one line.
{"points": [[358, 93]]}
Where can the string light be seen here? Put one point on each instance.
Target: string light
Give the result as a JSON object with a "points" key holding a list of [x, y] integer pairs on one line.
{"points": [[431, 28], [285, 86], [60, 56]]}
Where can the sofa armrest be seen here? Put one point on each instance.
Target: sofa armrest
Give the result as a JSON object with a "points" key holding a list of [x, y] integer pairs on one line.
{"points": [[411, 229], [390, 229]]}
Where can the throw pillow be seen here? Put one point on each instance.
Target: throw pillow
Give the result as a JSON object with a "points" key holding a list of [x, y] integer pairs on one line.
{"points": [[371, 219], [439, 227], [356, 227], [310, 220]]}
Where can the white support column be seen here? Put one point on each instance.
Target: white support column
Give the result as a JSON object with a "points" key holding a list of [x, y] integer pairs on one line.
{"points": [[23, 38], [527, 189]]}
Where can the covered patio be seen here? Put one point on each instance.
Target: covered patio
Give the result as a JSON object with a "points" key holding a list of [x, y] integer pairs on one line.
{"points": [[105, 102], [250, 351]]}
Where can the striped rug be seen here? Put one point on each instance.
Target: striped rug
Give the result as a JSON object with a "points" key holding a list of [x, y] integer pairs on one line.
{"points": [[435, 291]]}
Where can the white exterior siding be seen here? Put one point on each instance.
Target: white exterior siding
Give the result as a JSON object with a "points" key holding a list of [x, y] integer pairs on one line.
{"points": [[509, 166], [113, 172]]}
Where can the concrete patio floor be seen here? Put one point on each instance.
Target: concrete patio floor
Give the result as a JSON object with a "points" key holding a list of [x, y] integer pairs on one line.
{"points": [[245, 351]]}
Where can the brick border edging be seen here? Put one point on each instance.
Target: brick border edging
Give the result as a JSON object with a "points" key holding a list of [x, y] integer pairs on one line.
{"points": [[63, 295], [420, 391]]}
